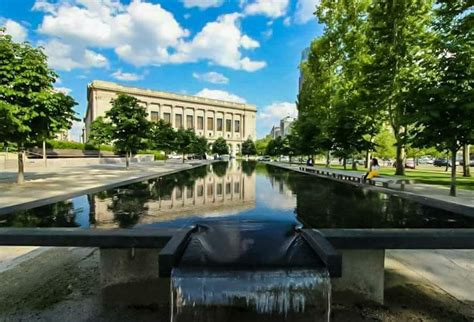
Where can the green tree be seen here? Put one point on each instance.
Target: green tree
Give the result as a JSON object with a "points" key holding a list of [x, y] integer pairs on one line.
{"points": [[199, 145], [385, 144], [184, 141], [445, 113], [261, 144], [162, 136], [249, 148], [220, 146], [399, 39], [130, 126], [31, 110], [100, 133]]}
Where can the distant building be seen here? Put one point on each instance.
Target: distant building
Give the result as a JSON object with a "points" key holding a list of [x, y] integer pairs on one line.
{"points": [[64, 135], [285, 125], [211, 118], [275, 132], [304, 57]]}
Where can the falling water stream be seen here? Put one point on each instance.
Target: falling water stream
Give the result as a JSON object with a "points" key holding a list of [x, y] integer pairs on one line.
{"points": [[249, 272]]}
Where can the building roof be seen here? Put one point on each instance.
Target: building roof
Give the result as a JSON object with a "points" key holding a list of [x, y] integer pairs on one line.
{"points": [[114, 87]]}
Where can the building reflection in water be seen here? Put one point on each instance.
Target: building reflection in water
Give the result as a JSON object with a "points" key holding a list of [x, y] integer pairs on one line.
{"points": [[220, 189]]}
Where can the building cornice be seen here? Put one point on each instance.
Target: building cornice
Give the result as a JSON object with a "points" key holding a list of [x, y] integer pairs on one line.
{"points": [[117, 88]]}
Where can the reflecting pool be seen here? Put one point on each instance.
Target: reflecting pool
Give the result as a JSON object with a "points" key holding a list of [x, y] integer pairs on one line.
{"points": [[237, 191]]}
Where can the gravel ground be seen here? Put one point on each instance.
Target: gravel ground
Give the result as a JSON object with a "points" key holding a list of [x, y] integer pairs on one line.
{"points": [[63, 284]]}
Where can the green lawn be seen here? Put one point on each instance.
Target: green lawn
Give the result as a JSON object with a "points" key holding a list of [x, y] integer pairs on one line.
{"points": [[427, 174]]}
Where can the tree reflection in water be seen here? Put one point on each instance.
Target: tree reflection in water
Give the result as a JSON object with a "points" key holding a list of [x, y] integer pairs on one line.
{"points": [[322, 203], [60, 214]]}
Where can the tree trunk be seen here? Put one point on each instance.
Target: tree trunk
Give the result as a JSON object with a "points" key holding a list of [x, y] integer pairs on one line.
{"points": [[183, 157], [466, 171], [400, 162], [452, 190], [344, 163], [447, 163], [354, 164], [367, 159], [20, 178], [127, 161], [328, 159]]}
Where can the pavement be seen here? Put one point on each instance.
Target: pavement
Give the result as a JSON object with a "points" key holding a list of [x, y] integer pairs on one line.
{"points": [[450, 270], [47, 185]]}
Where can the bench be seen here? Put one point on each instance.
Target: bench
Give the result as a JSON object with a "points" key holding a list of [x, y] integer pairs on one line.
{"points": [[386, 181]]}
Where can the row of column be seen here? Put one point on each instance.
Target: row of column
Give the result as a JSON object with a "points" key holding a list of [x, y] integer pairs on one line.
{"points": [[205, 114]]}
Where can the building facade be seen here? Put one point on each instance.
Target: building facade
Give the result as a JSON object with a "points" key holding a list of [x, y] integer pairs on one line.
{"points": [[211, 118], [275, 132], [285, 125]]}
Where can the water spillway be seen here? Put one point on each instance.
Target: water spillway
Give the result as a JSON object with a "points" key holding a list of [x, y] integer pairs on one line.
{"points": [[249, 271]]}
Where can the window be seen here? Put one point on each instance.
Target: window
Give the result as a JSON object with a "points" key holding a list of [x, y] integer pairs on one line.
{"points": [[227, 188], [167, 117], [219, 189], [178, 193], [237, 127], [210, 189], [189, 122], [178, 121], [210, 123], [236, 187], [200, 124], [228, 125], [200, 190], [189, 193], [154, 116], [219, 124]]}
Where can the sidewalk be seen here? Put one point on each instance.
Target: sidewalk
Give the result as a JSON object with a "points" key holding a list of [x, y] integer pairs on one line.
{"points": [[49, 185]]}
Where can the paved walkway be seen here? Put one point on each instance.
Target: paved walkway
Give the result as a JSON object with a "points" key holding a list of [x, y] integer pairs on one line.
{"points": [[47, 185], [463, 197], [450, 270]]}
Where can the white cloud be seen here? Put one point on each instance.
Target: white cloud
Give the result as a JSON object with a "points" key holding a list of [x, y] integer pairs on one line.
{"points": [[272, 114], [142, 33], [270, 8], [201, 4], [220, 95], [66, 57], [212, 77], [14, 29], [127, 77], [63, 90], [304, 10], [220, 42]]}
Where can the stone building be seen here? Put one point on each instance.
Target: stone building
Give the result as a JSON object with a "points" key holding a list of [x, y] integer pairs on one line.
{"points": [[235, 122]]}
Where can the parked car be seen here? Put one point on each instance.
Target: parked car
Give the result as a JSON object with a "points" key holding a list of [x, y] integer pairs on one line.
{"points": [[409, 164], [264, 158], [471, 163], [441, 162], [425, 160], [175, 156]]}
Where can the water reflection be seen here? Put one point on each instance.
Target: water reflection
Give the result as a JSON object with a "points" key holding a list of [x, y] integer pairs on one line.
{"points": [[216, 190], [235, 191], [326, 204]]}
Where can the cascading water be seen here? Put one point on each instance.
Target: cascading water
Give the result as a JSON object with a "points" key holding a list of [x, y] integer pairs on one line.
{"points": [[249, 272]]}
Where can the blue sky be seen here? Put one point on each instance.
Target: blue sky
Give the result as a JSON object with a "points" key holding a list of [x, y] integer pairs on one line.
{"points": [[243, 50]]}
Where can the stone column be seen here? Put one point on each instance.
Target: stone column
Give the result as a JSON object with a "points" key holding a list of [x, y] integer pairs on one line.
{"points": [[362, 275], [129, 277]]}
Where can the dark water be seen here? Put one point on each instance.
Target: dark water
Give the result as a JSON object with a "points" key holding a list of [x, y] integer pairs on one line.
{"points": [[237, 192]]}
